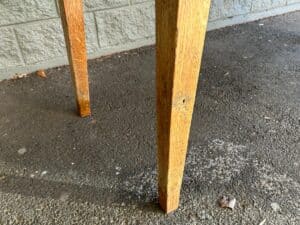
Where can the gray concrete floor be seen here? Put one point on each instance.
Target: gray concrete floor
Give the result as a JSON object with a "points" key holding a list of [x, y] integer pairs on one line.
{"points": [[56, 168]]}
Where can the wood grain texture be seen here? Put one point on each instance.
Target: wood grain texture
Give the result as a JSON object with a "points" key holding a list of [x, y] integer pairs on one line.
{"points": [[180, 34], [73, 25]]}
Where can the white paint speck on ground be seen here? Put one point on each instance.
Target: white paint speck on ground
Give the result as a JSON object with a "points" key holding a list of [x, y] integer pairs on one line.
{"points": [[275, 206], [230, 159], [44, 173], [22, 151], [262, 222]]}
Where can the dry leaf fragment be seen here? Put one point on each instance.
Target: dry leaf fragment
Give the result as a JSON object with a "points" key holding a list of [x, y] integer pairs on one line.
{"points": [[226, 202], [41, 73], [231, 203]]}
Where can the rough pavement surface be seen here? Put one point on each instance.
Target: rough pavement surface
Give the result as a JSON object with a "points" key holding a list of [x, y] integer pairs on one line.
{"points": [[56, 168]]}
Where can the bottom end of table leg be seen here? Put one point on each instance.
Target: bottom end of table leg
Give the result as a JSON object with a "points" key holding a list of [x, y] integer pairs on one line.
{"points": [[84, 108], [84, 114], [168, 202]]}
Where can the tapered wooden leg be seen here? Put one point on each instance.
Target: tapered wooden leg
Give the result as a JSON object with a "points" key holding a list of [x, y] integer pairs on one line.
{"points": [[73, 25], [180, 30]]}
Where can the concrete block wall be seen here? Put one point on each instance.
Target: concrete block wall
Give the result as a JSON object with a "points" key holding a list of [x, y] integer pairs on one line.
{"points": [[31, 35]]}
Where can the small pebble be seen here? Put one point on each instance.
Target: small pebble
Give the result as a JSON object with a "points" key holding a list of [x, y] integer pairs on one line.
{"points": [[275, 206], [44, 173], [22, 151], [226, 202]]}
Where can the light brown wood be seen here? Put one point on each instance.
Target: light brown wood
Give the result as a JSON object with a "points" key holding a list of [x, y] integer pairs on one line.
{"points": [[73, 25], [180, 34]]}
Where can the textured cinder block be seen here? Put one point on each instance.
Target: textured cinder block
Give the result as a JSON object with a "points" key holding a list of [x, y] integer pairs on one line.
{"points": [[228, 8], [235, 7], [91, 33], [260, 5], [139, 1], [215, 12], [41, 41], [104, 4], [20, 11], [125, 25], [44, 40], [9, 53], [293, 1]]}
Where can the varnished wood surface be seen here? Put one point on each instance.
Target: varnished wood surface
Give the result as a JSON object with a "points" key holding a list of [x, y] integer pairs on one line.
{"points": [[180, 29], [73, 25]]}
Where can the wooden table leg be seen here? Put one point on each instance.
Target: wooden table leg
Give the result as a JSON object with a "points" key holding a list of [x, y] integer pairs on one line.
{"points": [[73, 25], [180, 35]]}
